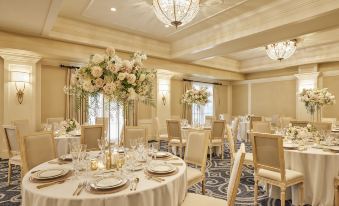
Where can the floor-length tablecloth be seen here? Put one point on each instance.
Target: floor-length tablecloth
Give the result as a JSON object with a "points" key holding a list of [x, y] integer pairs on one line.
{"points": [[170, 192], [319, 169]]}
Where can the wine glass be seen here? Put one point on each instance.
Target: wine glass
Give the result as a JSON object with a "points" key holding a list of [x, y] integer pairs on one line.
{"points": [[101, 145], [133, 143]]}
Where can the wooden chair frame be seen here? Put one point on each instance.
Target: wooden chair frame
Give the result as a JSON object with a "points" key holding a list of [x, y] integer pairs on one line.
{"points": [[170, 137]]}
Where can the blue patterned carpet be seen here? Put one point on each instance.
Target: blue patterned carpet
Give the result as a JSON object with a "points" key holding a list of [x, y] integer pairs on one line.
{"points": [[218, 172]]}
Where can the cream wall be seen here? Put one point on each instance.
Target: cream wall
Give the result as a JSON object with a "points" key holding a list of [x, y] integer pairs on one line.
{"points": [[221, 99], [239, 99], [278, 97], [177, 88], [53, 99], [332, 83]]}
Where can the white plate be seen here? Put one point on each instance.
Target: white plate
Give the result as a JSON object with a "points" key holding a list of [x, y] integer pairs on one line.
{"points": [[162, 154], [334, 148], [50, 174], [161, 168], [108, 182], [290, 146], [66, 157]]}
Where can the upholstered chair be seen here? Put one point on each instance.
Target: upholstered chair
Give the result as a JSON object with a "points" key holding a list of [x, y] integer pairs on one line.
{"points": [[90, 135], [269, 166], [174, 135], [336, 190], [262, 127], [232, 189], [157, 129], [248, 160], [102, 121], [13, 146], [134, 132], [36, 149], [22, 127], [196, 154], [333, 121], [255, 119], [322, 126], [217, 136], [299, 123]]}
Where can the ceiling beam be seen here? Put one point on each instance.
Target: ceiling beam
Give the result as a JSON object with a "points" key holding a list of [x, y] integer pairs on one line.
{"points": [[310, 55], [278, 20], [52, 15]]}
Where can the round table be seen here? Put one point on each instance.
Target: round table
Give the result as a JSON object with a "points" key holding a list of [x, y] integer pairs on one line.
{"points": [[319, 168], [170, 192], [62, 142]]}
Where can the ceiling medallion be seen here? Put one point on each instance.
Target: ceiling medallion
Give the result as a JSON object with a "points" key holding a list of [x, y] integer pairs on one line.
{"points": [[281, 50], [176, 12]]}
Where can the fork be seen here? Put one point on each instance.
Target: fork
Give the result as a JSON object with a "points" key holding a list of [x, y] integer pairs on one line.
{"points": [[76, 190], [83, 185]]}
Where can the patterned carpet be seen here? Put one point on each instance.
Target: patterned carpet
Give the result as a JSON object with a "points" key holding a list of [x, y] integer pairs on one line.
{"points": [[218, 172]]}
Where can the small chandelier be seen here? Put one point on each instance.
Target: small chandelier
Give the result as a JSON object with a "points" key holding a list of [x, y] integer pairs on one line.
{"points": [[281, 50], [176, 12]]}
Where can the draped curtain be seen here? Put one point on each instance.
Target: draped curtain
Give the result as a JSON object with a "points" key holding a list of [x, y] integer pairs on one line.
{"points": [[187, 109], [75, 109], [216, 100]]}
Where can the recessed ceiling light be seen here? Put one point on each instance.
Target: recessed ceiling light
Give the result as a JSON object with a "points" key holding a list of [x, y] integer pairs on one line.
{"points": [[113, 9], [166, 25]]}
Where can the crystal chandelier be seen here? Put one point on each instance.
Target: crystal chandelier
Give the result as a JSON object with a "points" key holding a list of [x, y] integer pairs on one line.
{"points": [[176, 12], [281, 50]]}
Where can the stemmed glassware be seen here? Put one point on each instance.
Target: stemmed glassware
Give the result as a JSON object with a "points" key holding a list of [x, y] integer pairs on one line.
{"points": [[78, 153], [102, 143]]}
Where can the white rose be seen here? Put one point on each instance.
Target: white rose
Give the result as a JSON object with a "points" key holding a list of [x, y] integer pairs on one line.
{"points": [[142, 77], [96, 71], [99, 83], [122, 76], [131, 78], [127, 64], [97, 59]]}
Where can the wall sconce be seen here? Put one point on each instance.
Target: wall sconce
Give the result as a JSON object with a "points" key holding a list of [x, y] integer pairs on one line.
{"points": [[17, 77], [163, 88]]}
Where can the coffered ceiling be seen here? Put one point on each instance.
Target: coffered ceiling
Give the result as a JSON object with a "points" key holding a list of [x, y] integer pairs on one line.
{"points": [[226, 34]]}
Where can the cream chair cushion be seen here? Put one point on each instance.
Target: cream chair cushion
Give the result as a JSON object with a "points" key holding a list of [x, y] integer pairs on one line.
{"points": [[177, 141], [15, 160], [193, 176], [248, 157], [202, 200], [290, 175]]}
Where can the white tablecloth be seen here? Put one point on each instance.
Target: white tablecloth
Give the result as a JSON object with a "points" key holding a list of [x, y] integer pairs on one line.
{"points": [[319, 169], [62, 141], [242, 131], [170, 192]]}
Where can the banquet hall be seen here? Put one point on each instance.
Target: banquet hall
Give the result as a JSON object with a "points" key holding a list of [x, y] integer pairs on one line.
{"points": [[169, 102]]}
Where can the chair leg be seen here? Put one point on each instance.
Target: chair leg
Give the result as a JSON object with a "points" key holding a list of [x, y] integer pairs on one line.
{"points": [[9, 173], [180, 152], [301, 194], [267, 185], [255, 192], [222, 152], [203, 186], [282, 196], [210, 153]]}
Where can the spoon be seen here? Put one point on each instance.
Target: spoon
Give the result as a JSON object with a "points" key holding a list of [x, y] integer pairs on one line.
{"points": [[136, 183]]}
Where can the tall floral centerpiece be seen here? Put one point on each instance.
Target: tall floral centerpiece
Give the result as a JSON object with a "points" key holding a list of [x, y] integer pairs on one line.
{"points": [[118, 80], [197, 98], [315, 99]]}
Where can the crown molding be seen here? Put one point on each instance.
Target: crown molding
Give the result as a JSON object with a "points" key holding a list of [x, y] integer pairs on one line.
{"points": [[21, 56], [264, 80]]}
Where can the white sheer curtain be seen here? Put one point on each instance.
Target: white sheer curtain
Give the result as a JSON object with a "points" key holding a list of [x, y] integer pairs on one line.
{"points": [[208, 109], [116, 120]]}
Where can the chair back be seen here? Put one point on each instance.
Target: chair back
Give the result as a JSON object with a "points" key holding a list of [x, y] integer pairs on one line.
{"points": [[173, 129], [262, 127], [102, 121], [299, 123], [209, 120], [255, 119], [234, 180], [134, 132], [268, 153], [22, 127], [148, 124], [231, 142], [36, 149], [54, 120], [90, 135], [218, 129], [12, 140], [175, 117], [333, 121], [285, 121], [196, 149], [322, 126]]}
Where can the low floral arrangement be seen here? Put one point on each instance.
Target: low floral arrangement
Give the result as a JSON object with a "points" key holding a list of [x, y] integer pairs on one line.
{"points": [[300, 133], [69, 125], [195, 96], [316, 98], [117, 79]]}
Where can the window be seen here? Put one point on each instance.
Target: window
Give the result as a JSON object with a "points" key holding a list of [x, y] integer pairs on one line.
{"points": [[95, 110], [206, 110]]}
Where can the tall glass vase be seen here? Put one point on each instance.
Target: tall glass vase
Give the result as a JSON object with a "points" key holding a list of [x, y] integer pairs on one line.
{"points": [[197, 120]]}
